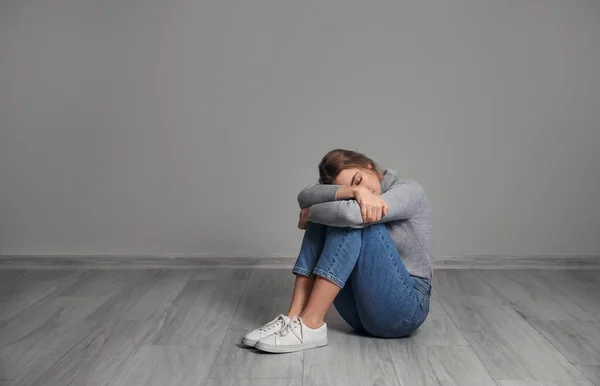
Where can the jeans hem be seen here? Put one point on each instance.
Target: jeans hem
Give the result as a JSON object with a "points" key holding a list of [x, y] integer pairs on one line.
{"points": [[302, 271], [330, 277]]}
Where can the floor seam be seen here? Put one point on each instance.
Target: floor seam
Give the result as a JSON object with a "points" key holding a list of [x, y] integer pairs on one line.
{"points": [[556, 348], [468, 344], [387, 344], [228, 328]]}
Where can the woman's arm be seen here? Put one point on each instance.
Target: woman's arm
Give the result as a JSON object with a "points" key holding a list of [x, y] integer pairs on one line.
{"points": [[320, 193], [403, 199]]}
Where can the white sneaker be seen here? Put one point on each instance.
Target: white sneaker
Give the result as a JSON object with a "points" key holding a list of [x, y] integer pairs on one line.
{"points": [[272, 327], [295, 336]]}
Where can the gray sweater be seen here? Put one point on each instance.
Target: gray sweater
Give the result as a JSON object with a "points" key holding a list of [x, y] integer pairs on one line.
{"points": [[408, 218]]}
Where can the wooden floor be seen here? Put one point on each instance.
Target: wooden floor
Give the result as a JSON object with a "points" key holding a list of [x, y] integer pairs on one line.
{"points": [[182, 327]]}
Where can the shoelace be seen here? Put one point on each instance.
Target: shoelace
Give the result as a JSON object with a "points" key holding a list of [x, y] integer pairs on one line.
{"points": [[288, 328], [273, 323]]}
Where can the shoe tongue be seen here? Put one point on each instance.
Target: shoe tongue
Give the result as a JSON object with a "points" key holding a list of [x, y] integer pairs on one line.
{"points": [[296, 323]]}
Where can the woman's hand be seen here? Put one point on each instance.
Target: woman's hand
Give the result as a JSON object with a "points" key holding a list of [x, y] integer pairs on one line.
{"points": [[372, 206], [303, 218]]}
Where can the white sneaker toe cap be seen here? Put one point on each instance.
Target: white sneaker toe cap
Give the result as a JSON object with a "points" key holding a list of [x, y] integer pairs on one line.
{"points": [[270, 340], [252, 337]]}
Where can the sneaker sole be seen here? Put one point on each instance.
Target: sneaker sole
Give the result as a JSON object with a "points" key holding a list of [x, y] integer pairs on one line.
{"points": [[286, 349], [248, 342]]}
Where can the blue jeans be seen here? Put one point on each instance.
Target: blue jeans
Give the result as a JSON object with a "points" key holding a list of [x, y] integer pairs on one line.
{"points": [[378, 295]]}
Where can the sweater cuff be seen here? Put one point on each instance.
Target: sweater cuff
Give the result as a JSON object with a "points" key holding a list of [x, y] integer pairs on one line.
{"points": [[317, 194], [329, 192]]}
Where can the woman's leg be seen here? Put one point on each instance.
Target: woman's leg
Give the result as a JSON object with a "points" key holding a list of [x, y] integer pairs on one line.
{"points": [[390, 302], [313, 243], [345, 304], [310, 251], [337, 260], [302, 289]]}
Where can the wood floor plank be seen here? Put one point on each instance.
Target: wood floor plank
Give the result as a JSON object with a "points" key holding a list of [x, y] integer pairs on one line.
{"points": [[235, 361], [95, 359], [13, 305], [435, 307], [152, 365], [533, 298], [152, 326], [506, 344], [579, 287], [464, 288], [48, 317], [32, 342], [145, 297], [276, 282], [30, 356], [510, 348], [438, 366], [578, 341], [268, 294], [592, 373], [200, 314], [349, 359], [104, 282], [544, 383], [255, 310], [32, 289], [60, 275], [9, 276], [591, 277], [221, 274], [254, 382]]}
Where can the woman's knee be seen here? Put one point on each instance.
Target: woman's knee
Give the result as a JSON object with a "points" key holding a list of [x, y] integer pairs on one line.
{"points": [[315, 227], [376, 235], [343, 232], [373, 228]]}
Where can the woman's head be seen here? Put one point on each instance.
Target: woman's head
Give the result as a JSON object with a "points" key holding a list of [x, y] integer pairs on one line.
{"points": [[347, 167]]}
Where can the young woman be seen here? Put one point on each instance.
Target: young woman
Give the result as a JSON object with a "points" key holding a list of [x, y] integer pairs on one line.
{"points": [[367, 249]]}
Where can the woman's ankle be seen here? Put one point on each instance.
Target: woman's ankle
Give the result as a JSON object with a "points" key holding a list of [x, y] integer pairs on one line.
{"points": [[295, 310], [312, 322]]}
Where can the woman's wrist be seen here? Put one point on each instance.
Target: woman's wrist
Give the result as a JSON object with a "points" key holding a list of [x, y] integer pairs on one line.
{"points": [[346, 192]]}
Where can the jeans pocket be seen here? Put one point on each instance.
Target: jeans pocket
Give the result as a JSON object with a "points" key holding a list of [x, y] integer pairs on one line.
{"points": [[424, 306], [422, 285]]}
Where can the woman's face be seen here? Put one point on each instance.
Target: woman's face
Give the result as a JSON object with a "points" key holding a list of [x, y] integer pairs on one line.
{"points": [[360, 177]]}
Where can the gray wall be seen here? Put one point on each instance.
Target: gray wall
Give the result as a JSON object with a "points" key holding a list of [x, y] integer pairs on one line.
{"points": [[188, 127]]}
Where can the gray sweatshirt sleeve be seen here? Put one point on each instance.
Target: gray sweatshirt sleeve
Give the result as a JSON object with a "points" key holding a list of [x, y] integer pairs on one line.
{"points": [[317, 194], [404, 200]]}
